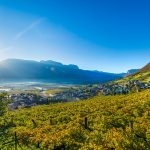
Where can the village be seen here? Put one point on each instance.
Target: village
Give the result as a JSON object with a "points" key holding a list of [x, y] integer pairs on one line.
{"points": [[126, 87], [25, 100]]}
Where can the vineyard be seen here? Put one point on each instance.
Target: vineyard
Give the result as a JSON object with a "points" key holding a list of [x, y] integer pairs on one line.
{"points": [[119, 122]]}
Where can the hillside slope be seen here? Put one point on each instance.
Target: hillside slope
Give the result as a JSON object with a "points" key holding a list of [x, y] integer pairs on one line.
{"points": [[145, 68], [142, 74], [99, 123]]}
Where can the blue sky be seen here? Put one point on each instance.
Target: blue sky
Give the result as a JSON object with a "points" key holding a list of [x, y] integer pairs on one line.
{"points": [[104, 35]]}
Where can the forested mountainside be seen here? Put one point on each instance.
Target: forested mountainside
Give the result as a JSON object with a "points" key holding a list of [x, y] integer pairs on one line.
{"points": [[17, 69]]}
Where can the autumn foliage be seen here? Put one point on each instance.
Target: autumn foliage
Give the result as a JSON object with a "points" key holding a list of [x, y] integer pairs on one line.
{"points": [[100, 123]]}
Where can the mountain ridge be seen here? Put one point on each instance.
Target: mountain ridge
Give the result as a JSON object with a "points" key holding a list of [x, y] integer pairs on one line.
{"points": [[51, 70]]}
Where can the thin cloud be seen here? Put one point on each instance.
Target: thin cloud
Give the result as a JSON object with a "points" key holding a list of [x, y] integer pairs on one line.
{"points": [[28, 28], [21, 34]]}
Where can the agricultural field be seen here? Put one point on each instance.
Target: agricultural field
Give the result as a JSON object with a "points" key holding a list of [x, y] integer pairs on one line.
{"points": [[119, 122], [51, 92]]}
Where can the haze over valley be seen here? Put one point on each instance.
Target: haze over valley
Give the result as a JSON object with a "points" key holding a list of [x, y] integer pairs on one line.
{"points": [[51, 71]]}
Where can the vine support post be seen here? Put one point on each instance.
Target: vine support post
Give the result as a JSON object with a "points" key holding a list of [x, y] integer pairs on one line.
{"points": [[86, 123], [34, 123], [15, 141], [38, 145], [131, 125]]}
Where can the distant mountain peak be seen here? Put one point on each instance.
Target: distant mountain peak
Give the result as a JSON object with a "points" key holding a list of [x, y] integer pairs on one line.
{"points": [[52, 71], [72, 66], [132, 71], [51, 62], [54, 63]]}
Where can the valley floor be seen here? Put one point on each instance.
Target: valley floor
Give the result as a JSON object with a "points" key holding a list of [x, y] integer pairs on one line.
{"points": [[120, 122]]}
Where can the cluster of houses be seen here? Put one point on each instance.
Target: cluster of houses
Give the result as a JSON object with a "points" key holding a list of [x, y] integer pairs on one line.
{"points": [[124, 87], [25, 100], [75, 94]]}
